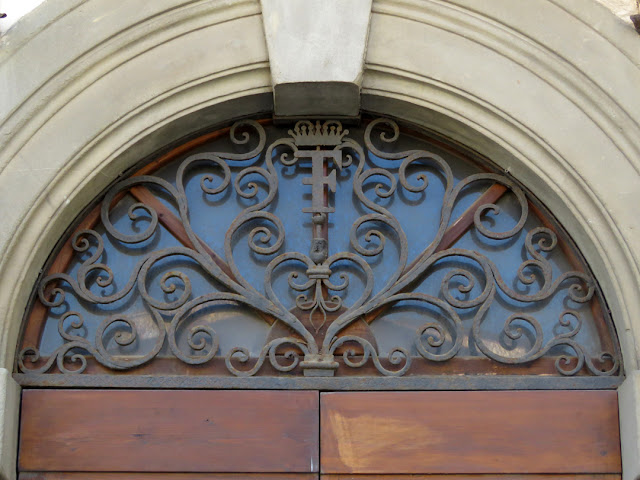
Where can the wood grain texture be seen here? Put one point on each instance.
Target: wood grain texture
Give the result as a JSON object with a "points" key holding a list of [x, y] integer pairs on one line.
{"points": [[511, 432], [164, 476], [604, 476], [169, 431], [294, 476]]}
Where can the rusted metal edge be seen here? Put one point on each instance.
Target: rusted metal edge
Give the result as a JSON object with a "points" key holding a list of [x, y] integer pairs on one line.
{"points": [[426, 382], [635, 19]]}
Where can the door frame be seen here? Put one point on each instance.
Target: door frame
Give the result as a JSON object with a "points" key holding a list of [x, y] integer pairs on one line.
{"points": [[547, 108]]}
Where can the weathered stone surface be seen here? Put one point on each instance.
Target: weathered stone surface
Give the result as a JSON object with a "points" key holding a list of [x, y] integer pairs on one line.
{"points": [[9, 410], [629, 401], [316, 54], [622, 8]]}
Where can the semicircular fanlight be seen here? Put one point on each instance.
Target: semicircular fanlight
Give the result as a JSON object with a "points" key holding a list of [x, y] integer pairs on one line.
{"points": [[316, 250]]}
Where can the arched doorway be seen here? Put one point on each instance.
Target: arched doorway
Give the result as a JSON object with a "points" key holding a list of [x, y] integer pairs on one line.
{"points": [[544, 154], [423, 265]]}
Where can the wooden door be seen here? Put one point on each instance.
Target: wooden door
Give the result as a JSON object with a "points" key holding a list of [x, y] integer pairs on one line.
{"points": [[546, 434], [304, 435], [179, 435]]}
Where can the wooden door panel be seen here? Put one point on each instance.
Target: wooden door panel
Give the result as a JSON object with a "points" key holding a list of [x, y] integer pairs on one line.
{"points": [[169, 431], [469, 432], [165, 476], [551, 476]]}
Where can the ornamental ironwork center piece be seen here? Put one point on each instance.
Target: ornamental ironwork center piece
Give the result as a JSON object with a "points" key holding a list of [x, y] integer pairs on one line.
{"points": [[319, 324]]}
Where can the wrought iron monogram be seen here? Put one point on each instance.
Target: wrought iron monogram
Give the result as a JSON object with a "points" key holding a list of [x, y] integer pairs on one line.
{"points": [[320, 322]]}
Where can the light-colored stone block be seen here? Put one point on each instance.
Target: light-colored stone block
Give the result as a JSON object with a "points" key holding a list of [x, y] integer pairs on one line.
{"points": [[9, 408], [629, 402], [316, 53], [622, 8]]}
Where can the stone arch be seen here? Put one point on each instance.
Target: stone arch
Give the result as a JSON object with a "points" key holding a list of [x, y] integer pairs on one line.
{"points": [[547, 89]]}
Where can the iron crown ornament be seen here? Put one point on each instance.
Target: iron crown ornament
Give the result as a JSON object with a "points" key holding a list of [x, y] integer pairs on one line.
{"points": [[328, 326]]}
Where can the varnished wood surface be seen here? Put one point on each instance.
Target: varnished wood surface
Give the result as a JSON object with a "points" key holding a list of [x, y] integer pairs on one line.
{"points": [[169, 431], [512, 432], [552, 476], [294, 476], [164, 476]]}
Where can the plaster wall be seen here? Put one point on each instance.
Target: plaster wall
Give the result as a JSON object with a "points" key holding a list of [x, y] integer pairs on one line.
{"points": [[546, 88]]}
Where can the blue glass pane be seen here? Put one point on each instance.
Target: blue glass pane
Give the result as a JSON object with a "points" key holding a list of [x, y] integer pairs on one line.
{"points": [[309, 243]]}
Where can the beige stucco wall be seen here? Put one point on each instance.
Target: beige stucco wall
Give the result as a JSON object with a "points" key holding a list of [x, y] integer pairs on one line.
{"points": [[548, 89]]}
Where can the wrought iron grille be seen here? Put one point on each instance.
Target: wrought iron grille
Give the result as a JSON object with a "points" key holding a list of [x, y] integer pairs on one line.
{"points": [[319, 251]]}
